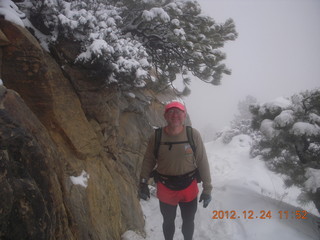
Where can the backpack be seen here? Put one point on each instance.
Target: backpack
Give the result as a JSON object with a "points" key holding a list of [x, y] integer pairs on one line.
{"points": [[157, 142]]}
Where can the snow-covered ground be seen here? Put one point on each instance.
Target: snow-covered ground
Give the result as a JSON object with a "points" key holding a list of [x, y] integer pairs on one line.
{"points": [[244, 187]]}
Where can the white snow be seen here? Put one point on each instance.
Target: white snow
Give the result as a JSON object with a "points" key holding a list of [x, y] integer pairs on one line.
{"points": [[130, 94], [314, 118], [179, 32], [313, 181], [241, 185], [156, 12], [11, 12], [275, 105], [284, 119], [175, 22], [304, 128], [281, 102], [267, 128], [81, 180]]}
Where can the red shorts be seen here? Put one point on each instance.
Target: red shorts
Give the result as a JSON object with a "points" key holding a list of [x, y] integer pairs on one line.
{"points": [[173, 197]]}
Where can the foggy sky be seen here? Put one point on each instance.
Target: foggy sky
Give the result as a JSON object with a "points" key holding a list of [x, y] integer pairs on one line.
{"points": [[276, 54]]}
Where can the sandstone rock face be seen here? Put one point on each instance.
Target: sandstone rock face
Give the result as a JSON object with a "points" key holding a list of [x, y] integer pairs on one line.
{"points": [[30, 175], [56, 124]]}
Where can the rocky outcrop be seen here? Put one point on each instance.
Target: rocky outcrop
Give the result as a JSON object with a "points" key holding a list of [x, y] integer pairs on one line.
{"points": [[30, 175], [63, 121]]}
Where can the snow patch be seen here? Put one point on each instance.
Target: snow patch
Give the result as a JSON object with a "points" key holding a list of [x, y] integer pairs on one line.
{"points": [[284, 119], [281, 102], [314, 118], [313, 179], [81, 180], [275, 106], [267, 128], [175, 22], [303, 128], [130, 94], [131, 235], [11, 12], [155, 12]]}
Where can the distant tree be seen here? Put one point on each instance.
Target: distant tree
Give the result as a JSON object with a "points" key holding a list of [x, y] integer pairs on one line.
{"points": [[128, 38], [291, 140], [244, 108], [208, 132], [241, 124]]}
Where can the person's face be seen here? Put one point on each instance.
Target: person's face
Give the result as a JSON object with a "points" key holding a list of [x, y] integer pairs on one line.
{"points": [[175, 117]]}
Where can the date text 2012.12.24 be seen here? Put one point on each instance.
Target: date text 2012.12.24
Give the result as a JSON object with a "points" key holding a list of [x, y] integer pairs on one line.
{"points": [[263, 214]]}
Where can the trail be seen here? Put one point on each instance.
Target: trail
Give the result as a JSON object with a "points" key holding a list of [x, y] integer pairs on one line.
{"points": [[241, 185], [237, 199]]}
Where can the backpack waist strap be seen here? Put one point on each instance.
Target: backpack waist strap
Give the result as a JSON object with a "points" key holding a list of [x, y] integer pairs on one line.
{"points": [[177, 182]]}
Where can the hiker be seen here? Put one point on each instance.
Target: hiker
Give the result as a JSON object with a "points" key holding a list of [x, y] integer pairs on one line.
{"points": [[177, 160]]}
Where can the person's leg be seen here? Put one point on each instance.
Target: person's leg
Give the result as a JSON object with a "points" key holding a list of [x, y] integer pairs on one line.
{"points": [[169, 214], [188, 211]]}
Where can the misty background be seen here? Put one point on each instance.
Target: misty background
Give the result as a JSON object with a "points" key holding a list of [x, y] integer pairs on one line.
{"points": [[277, 53]]}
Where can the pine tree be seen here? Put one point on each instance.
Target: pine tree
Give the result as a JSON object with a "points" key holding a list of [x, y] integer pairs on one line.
{"points": [[131, 38], [291, 140]]}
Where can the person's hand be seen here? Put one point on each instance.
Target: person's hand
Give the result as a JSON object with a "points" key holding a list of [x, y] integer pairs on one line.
{"points": [[144, 192], [206, 198]]}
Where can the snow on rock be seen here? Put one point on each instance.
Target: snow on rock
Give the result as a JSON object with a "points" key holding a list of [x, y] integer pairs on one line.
{"points": [[131, 95], [267, 128], [81, 180], [313, 179], [131, 235], [284, 119], [303, 128], [11, 12]]}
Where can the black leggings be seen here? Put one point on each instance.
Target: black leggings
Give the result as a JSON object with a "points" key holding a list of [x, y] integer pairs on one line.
{"points": [[188, 211]]}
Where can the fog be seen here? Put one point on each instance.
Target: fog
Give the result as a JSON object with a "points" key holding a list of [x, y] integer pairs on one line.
{"points": [[276, 54]]}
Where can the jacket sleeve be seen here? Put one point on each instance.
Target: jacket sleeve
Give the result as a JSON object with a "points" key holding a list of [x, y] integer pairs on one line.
{"points": [[202, 163], [149, 160]]}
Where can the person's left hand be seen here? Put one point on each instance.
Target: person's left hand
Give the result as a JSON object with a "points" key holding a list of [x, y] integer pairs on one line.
{"points": [[206, 198]]}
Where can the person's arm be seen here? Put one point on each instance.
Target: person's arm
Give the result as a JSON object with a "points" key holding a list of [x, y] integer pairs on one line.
{"points": [[149, 160], [147, 166], [202, 163]]}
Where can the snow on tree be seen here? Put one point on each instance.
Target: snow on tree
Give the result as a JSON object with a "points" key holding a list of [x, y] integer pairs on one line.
{"points": [[131, 38], [290, 143], [241, 124]]}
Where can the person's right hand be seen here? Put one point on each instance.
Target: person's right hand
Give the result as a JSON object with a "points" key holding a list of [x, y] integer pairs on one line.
{"points": [[144, 192], [206, 198]]}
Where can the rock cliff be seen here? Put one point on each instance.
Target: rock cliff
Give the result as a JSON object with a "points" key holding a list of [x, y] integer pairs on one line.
{"points": [[58, 120]]}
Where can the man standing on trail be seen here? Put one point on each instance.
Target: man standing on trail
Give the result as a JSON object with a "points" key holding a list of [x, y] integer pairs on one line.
{"points": [[177, 160]]}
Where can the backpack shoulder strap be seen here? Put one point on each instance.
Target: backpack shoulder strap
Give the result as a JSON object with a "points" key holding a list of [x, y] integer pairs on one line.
{"points": [[157, 140], [190, 139]]}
